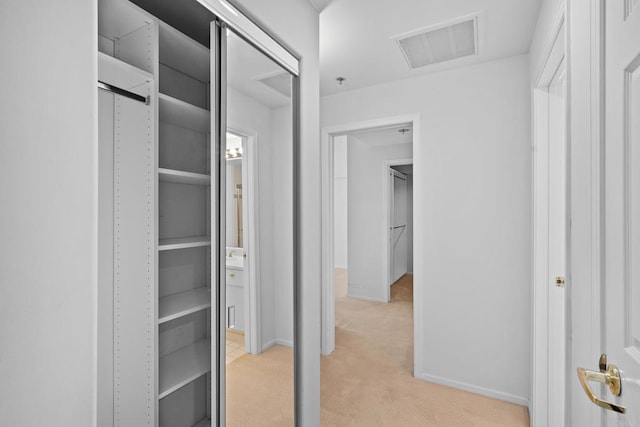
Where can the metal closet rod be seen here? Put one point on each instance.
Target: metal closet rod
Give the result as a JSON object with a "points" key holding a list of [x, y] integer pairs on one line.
{"points": [[118, 91]]}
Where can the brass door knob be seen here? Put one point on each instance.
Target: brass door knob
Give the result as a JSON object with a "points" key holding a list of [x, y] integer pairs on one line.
{"points": [[609, 376], [560, 281]]}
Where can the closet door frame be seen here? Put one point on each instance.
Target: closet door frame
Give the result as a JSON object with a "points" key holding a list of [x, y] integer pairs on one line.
{"points": [[233, 19]]}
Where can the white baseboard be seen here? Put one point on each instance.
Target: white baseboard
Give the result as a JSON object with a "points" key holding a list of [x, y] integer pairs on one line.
{"points": [[286, 343], [372, 299], [507, 397], [268, 345]]}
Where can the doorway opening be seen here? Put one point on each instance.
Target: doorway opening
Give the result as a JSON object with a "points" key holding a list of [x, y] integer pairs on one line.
{"points": [[239, 287], [399, 248], [357, 242]]}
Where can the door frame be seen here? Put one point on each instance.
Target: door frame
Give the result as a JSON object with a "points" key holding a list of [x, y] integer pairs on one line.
{"points": [[328, 303], [387, 217], [585, 97], [250, 216], [555, 57]]}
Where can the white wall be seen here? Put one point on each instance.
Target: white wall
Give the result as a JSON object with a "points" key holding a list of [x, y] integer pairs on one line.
{"points": [[340, 202], [282, 182], [48, 220], [303, 39], [366, 229], [472, 195]]}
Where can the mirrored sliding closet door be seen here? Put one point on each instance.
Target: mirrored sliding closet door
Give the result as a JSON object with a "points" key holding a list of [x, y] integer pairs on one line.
{"points": [[259, 235]]}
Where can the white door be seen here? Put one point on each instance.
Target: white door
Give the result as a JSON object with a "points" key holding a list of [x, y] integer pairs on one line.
{"points": [[557, 247], [398, 226], [621, 310]]}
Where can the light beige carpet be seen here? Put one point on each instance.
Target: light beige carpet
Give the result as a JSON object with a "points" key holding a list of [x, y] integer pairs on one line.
{"points": [[367, 381], [260, 389]]}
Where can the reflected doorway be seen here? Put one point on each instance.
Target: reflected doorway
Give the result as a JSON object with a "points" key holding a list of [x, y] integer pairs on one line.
{"points": [[239, 286]]}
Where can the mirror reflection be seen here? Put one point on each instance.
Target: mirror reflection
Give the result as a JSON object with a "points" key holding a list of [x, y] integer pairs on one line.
{"points": [[259, 239], [234, 201]]}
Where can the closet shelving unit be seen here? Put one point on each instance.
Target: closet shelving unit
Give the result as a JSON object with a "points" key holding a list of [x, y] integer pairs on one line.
{"points": [[127, 340], [161, 329], [184, 244]]}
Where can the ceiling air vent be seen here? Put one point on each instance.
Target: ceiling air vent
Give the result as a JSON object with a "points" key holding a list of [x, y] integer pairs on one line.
{"points": [[441, 43], [280, 82]]}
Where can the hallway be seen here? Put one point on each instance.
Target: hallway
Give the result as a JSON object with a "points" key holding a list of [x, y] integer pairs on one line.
{"points": [[368, 381]]}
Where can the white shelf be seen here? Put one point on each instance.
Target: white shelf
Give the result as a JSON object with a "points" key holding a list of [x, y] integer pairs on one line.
{"points": [[182, 177], [120, 74], [184, 243], [179, 368], [183, 114], [178, 305], [118, 18], [182, 53]]}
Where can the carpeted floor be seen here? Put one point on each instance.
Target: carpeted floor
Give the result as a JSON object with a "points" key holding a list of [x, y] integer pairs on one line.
{"points": [[367, 381], [260, 389]]}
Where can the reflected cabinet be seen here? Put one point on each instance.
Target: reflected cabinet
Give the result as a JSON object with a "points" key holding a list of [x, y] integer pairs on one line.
{"points": [[197, 217]]}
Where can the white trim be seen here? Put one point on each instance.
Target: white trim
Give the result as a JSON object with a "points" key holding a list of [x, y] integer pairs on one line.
{"points": [[554, 58], [328, 302], [386, 220], [397, 174], [253, 242], [276, 341], [286, 343], [586, 85], [327, 310], [249, 30], [550, 47], [495, 394], [364, 298], [268, 345]]}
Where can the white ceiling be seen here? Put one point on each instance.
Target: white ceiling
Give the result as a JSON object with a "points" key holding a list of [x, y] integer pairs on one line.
{"points": [[319, 5], [356, 36], [246, 66]]}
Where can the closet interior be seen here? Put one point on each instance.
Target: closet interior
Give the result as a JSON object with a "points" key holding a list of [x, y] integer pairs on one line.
{"points": [[161, 361]]}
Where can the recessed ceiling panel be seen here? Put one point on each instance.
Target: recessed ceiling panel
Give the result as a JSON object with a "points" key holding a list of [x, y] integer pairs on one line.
{"points": [[442, 43], [280, 82]]}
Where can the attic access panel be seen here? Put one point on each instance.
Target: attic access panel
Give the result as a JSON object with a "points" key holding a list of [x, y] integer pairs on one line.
{"points": [[279, 81], [440, 43]]}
